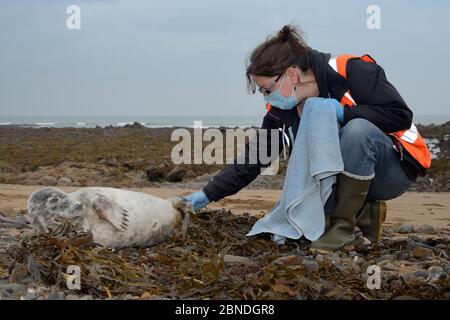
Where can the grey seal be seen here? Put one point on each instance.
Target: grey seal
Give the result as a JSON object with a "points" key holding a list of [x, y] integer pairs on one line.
{"points": [[115, 217]]}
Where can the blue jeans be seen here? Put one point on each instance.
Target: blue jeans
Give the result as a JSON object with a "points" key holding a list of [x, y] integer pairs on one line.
{"points": [[368, 153]]}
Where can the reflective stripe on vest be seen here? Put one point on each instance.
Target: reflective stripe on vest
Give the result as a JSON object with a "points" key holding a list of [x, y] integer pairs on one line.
{"points": [[410, 139]]}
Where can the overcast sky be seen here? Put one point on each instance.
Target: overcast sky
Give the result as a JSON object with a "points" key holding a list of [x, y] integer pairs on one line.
{"points": [[187, 57]]}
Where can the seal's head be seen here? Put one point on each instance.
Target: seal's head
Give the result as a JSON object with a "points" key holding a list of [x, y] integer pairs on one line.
{"points": [[51, 209]]}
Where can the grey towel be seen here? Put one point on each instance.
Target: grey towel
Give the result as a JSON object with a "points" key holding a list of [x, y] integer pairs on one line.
{"points": [[316, 159]]}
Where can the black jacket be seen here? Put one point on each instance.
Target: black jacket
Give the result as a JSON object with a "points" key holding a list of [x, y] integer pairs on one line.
{"points": [[376, 100]]}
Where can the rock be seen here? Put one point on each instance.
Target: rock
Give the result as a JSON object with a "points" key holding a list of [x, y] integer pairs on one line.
{"points": [[155, 174], [230, 259], [13, 289], [146, 296], [56, 296], [112, 162], [176, 175], [436, 273], [319, 258], [135, 125], [30, 296], [64, 181], [390, 267], [190, 174], [405, 228], [403, 255], [385, 257], [48, 181], [420, 252], [333, 257], [420, 274], [310, 265], [72, 297], [287, 261], [19, 273], [136, 174], [425, 229], [87, 297]]}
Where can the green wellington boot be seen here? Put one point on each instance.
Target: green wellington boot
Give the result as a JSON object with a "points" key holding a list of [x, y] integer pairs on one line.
{"points": [[371, 218], [350, 196]]}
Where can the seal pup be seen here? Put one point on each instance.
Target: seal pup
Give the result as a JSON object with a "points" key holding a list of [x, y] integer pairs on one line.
{"points": [[116, 218]]}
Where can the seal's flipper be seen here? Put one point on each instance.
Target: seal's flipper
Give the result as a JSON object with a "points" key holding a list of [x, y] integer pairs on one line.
{"points": [[186, 209], [182, 204], [108, 211]]}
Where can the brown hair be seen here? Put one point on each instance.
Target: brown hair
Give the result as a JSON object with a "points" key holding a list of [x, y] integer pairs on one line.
{"points": [[272, 57]]}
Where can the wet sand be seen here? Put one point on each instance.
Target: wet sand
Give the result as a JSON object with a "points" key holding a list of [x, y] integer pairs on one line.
{"points": [[412, 208]]}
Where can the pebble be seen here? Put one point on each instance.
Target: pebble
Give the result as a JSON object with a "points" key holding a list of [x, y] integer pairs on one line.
{"points": [[146, 296], [56, 296], [230, 259], [420, 274], [30, 296], [64, 181], [436, 273], [420, 252], [333, 257], [405, 228], [404, 255], [13, 289], [389, 266], [287, 261], [425, 229], [87, 297], [72, 297], [385, 257], [414, 277], [319, 258], [310, 265]]}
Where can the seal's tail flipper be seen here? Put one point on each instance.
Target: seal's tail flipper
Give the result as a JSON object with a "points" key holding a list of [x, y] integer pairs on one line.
{"points": [[105, 210]]}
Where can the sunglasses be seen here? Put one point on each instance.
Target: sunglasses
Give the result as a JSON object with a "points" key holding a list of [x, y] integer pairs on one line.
{"points": [[269, 91]]}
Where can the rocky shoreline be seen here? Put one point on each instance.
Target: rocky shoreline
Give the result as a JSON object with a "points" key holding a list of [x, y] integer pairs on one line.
{"points": [[217, 261], [136, 156]]}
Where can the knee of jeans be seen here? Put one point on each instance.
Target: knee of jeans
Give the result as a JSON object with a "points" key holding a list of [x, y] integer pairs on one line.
{"points": [[358, 129]]}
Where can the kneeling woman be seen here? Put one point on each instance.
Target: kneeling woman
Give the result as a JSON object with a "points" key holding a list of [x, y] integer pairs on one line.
{"points": [[382, 151]]}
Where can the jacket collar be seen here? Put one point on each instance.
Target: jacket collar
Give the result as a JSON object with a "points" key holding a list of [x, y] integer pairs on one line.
{"points": [[329, 82]]}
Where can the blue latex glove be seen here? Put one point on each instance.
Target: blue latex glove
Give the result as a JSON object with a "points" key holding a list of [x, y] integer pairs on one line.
{"points": [[198, 199]]}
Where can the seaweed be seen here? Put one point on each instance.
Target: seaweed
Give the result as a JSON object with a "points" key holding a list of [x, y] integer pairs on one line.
{"points": [[197, 265]]}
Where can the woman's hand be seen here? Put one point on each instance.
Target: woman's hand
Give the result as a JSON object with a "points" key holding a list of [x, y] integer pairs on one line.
{"points": [[198, 199]]}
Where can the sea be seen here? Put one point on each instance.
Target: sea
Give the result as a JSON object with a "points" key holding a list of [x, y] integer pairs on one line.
{"points": [[165, 121]]}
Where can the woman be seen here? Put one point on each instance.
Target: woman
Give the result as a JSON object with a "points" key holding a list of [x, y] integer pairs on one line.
{"points": [[381, 149]]}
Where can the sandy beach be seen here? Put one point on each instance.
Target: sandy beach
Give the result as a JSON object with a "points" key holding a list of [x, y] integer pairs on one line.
{"points": [[216, 260], [412, 207]]}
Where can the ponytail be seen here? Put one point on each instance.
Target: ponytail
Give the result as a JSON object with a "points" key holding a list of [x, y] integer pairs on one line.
{"points": [[272, 57]]}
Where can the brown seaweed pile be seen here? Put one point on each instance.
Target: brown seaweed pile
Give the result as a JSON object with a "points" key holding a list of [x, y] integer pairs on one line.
{"points": [[217, 261]]}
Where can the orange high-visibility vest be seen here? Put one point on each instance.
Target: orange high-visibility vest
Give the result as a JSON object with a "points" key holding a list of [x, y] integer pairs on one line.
{"points": [[410, 139]]}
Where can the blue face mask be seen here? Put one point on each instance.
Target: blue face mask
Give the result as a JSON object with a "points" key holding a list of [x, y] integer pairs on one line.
{"points": [[276, 99]]}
